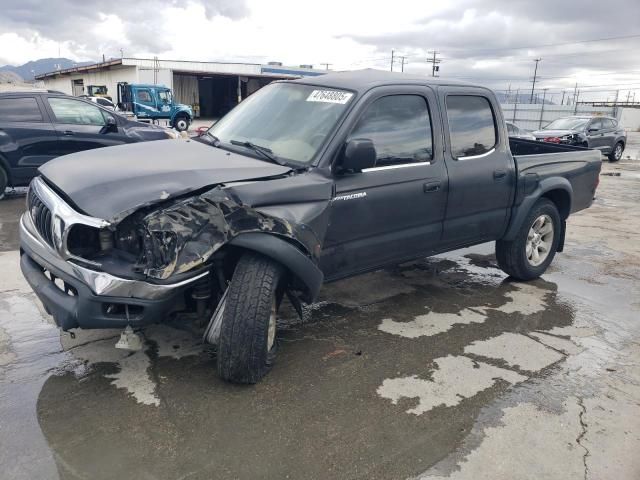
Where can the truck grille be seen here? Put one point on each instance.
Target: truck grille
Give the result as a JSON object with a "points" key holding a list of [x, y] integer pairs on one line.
{"points": [[41, 216]]}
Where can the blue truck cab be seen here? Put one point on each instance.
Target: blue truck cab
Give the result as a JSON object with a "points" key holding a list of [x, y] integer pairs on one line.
{"points": [[153, 102]]}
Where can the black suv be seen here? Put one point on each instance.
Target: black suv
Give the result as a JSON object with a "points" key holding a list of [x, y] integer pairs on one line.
{"points": [[37, 126], [598, 132]]}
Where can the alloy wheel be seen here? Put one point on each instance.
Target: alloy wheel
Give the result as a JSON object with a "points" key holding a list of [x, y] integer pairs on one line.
{"points": [[539, 240]]}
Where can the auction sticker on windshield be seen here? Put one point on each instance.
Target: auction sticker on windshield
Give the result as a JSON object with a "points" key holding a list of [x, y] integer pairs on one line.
{"points": [[329, 96]]}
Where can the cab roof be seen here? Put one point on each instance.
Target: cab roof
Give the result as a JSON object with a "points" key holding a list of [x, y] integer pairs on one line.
{"points": [[363, 80], [149, 85]]}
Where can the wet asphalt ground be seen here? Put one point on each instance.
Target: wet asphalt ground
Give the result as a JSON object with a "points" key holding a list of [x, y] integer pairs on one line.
{"points": [[442, 368]]}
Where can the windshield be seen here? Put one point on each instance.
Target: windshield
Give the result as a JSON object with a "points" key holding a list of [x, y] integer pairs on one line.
{"points": [[290, 120], [570, 123]]}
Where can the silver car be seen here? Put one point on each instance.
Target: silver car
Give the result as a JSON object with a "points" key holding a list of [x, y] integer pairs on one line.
{"points": [[598, 132]]}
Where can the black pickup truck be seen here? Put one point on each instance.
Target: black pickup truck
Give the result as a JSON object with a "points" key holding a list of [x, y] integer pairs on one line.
{"points": [[304, 182]]}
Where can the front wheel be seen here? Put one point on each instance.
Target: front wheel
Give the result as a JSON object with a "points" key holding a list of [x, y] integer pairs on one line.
{"points": [[529, 254], [246, 348], [181, 123], [616, 153]]}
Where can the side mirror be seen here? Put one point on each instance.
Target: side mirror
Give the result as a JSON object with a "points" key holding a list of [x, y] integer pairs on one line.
{"points": [[110, 125], [359, 153], [591, 130]]}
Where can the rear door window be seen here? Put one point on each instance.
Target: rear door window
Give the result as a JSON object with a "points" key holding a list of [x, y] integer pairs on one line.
{"points": [[472, 125], [76, 112], [596, 124], [400, 128], [20, 109], [607, 124]]}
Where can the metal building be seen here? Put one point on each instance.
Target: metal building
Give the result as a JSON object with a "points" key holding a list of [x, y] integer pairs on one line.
{"points": [[211, 88]]}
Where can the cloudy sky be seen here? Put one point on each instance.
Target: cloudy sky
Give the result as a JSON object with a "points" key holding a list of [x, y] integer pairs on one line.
{"points": [[596, 44]]}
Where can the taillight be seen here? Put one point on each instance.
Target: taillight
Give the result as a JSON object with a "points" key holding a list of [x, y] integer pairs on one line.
{"points": [[553, 139]]}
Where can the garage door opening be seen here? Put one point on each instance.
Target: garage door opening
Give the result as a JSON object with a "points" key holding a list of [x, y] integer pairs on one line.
{"points": [[212, 96]]}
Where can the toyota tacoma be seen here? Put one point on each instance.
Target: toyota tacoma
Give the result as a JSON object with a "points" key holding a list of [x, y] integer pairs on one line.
{"points": [[304, 182]]}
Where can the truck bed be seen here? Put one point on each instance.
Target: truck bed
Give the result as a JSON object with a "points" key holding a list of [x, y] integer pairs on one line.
{"points": [[535, 161]]}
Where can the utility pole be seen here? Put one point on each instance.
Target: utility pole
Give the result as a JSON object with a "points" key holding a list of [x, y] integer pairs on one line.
{"points": [[628, 95], [508, 93], [562, 102], [402, 61], [392, 59], [434, 60], [575, 109], [535, 75], [327, 65]]}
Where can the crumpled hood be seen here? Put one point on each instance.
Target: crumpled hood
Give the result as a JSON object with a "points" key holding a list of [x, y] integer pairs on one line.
{"points": [[553, 133], [110, 183]]}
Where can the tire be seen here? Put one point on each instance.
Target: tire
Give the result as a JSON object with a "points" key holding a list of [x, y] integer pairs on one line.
{"points": [[616, 153], [246, 348], [4, 182], [517, 257], [181, 123]]}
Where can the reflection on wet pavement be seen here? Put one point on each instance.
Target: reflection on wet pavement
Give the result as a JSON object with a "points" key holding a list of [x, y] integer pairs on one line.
{"points": [[441, 368]]}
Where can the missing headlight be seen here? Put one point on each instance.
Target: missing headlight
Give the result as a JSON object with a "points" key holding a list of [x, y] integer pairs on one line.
{"points": [[84, 241], [129, 234], [128, 240]]}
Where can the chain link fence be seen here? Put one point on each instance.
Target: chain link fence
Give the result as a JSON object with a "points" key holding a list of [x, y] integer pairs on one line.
{"points": [[536, 116]]}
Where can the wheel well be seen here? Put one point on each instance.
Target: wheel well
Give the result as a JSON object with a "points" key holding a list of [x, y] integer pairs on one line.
{"points": [[561, 199], [5, 167], [303, 274]]}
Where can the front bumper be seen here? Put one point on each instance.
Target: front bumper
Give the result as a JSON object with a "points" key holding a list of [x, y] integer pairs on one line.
{"points": [[88, 298]]}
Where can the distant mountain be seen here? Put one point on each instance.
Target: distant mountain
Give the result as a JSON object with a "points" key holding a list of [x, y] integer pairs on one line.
{"points": [[44, 65], [10, 77]]}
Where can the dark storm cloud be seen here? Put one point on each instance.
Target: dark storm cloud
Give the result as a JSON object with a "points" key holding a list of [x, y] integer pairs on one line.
{"points": [[73, 20], [483, 30]]}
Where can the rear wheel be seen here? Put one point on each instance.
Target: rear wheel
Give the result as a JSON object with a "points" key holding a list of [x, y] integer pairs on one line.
{"points": [[247, 344], [529, 254], [616, 153], [4, 182], [181, 123]]}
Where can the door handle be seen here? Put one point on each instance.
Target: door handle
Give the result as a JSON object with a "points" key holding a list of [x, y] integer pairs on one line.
{"points": [[67, 133], [432, 187], [499, 174]]}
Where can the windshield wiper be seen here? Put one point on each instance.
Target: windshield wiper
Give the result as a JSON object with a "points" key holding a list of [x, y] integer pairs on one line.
{"points": [[215, 141], [264, 151]]}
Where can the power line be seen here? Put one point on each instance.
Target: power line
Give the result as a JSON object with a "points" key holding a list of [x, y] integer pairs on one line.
{"points": [[604, 39]]}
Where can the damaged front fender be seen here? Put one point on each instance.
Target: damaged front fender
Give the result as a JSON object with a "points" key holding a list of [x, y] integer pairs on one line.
{"points": [[186, 234]]}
